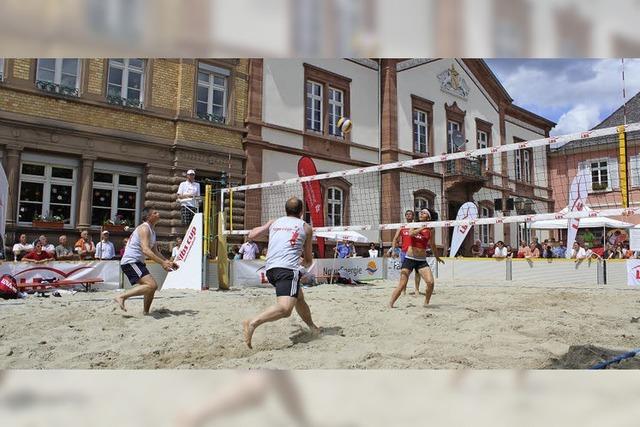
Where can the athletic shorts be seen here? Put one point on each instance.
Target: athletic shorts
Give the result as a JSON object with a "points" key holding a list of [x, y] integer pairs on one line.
{"points": [[414, 264], [286, 281], [134, 271]]}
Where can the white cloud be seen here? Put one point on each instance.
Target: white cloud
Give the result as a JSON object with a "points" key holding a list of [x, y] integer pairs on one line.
{"points": [[579, 118], [577, 93]]}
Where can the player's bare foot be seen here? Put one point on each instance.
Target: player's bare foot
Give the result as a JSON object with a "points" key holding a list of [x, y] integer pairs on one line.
{"points": [[120, 301], [247, 331], [315, 330]]}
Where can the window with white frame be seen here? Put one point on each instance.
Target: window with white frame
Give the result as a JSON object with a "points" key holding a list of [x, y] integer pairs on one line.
{"points": [[1, 69], [314, 106], [483, 142], [125, 81], [452, 127], [116, 19], [335, 201], [420, 132], [523, 165], [116, 196], [484, 230], [600, 175], [212, 92], [420, 203], [634, 163], [336, 110], [526, 168], [61, 75], [46, 190]]}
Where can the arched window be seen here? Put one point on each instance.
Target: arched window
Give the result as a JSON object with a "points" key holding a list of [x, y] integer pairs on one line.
{"points": [[423, 199], [335, 206], [420, 203]]}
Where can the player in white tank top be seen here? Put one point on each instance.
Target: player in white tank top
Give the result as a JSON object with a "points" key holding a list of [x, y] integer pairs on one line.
{"points": [[142, 245], [289, 238], [133, 251]]}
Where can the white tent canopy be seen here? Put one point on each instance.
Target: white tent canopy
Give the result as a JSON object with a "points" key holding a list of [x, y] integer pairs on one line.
{"points": [[595, 222]]}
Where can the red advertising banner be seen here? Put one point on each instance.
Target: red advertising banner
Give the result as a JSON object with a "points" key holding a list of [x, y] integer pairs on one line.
{"points": [[313, 197]]}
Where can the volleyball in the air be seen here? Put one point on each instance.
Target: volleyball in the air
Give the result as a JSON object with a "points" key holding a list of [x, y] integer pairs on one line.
{"points": [[344, 124]]}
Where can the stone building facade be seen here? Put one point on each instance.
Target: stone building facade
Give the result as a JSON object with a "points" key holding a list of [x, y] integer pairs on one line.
{"points": [[94, 139]]}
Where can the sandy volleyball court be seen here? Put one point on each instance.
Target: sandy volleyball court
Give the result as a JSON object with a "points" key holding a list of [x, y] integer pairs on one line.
{"points": [[467, 326]]}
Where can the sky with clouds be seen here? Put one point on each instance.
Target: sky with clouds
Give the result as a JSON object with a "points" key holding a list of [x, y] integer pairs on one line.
{"points": [[577, 94]]}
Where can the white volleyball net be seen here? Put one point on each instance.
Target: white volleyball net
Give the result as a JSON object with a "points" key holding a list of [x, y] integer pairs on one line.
{"points": [[520, 182]]}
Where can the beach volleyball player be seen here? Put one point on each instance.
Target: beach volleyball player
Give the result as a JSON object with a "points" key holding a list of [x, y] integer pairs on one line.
{"points": [[404, 235], [416, 259], [142, 245], [289, 238]]}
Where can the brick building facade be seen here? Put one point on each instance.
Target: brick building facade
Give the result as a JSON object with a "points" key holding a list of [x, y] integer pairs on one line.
{"points": [[92, 139]]}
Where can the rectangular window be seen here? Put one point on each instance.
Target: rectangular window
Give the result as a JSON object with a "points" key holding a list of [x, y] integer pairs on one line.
{"points": [[61, 75], [452, 128], [115, 196], [483, 142], [46, 191], [125, 82], [336, 110], [420, 132], [334, 207], [420, 203], [600, 175], [211, 93], [524, 165], [527, 165], [1, 69], [634, 170], [484, 229], [314, 106]]}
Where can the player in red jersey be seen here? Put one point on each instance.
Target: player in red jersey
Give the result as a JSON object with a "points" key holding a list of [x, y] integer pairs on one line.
{"points": [[416, 259]]}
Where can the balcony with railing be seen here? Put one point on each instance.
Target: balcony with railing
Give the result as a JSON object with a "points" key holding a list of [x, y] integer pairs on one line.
{"points": [[471, 168], [466, 175]]}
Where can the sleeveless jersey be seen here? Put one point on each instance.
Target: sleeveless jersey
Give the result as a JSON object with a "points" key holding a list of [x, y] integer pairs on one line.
{"points": [[133, 251], [421, 240], [405, 235], [286, 242]]}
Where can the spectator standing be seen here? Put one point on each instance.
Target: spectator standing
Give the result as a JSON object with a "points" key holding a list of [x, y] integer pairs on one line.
{"points": [[176, 247], [187, 191], [105, 249], [373, 252], [342, 249], [84, 246], [249, 250]]}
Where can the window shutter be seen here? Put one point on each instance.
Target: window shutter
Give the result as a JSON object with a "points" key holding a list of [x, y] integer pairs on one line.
{"points": [[612, 163], [586, 165]]}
